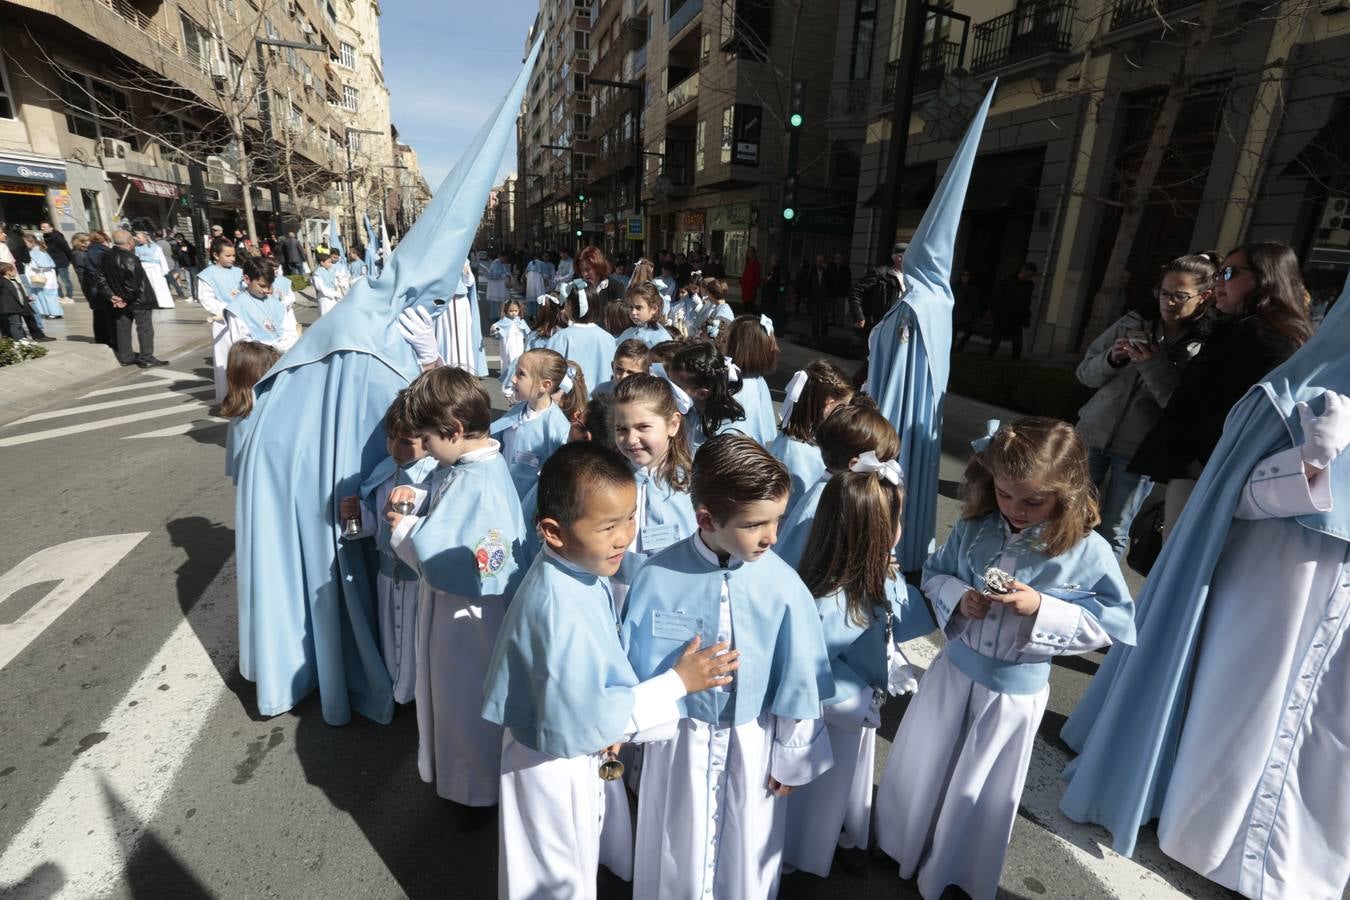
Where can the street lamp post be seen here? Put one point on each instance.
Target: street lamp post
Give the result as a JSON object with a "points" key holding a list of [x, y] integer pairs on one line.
{"points": [[265, 108]]}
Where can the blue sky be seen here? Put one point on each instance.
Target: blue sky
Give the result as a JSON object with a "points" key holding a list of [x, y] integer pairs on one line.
{"points": [[447, 71]]}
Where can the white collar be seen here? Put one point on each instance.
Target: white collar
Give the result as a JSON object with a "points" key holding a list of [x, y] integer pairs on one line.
{"points": [[567, 563], [710, 557], [481, 453]]}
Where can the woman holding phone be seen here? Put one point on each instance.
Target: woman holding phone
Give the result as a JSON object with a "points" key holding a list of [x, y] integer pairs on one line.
{"points": [[1136, 365]]}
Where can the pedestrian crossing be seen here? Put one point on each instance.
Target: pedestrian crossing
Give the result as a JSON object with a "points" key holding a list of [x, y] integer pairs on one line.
{"points": [[154, 394]]}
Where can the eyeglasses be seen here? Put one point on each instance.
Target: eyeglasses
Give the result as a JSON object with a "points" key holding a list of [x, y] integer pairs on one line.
{"points": [[1228, 273], [1174, 296]]}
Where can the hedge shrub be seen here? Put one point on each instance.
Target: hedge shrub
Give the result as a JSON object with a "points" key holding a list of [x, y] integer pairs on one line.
{"points": [[13, 352], [298, 282]]}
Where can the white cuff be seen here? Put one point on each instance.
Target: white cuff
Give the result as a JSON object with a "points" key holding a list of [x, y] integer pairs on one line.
{"points": [[1060, 627], [1279, 488], [655, 706], [801, 751], [398, 539], [945, 591]]}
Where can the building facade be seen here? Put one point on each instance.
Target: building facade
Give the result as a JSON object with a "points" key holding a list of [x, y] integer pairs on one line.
{"points": [[153, 111]]}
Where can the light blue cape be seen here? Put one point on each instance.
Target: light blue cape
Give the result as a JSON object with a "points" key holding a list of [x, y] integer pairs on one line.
{"points": [[909, 349], [1121, 778], [306, 608]]}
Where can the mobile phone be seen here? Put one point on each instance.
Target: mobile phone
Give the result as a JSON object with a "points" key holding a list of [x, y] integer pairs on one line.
{"points": [[1138, 337]]}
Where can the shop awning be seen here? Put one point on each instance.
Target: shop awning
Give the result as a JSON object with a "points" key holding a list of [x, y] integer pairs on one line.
{"points": [[151, 187], [14, 168]]}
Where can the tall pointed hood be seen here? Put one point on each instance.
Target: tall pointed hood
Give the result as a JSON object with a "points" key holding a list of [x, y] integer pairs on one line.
{"points": [[372, 248], [335, 236], [427, 263]]}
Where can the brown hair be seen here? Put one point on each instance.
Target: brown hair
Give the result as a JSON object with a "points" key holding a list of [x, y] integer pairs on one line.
{"points": [[731, 470], [448, 400], [396, 423], [517, 303], [616, 317], [256, 268], [702, 363], [573, 403], [7, 267], [551, 317], [1050, 454], [649, 295], [544, 363], [853, 428], [247, 363], [1203, 267], [715, 288], [750, 347], [635, 350], [664, 352], [643, 271], [594, 257], [656, 393], [824, 382], [849, 548], [1278, 298]]}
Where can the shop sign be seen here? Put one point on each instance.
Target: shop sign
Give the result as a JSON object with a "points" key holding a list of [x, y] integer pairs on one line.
{"points": [[693, 220], [23, 190], [155, 188], [732, 217], [33, 172], [635, 229], [746, 120]]}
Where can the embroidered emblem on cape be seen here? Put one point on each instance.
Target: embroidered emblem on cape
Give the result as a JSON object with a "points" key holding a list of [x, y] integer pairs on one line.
{"points": [[490, 554]]}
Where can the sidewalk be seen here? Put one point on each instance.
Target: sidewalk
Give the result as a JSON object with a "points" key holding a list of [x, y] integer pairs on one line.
{"points": [[74, 358]]}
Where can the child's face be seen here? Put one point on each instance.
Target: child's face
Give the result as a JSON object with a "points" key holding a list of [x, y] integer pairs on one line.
{"points": [[259, 288], [527, 384], [326, 262], [622, 368], [405, 448], [446, 450], [639, 312], [513, 312], [598, 540], [642, 434], [1024, 503], [748, 533], [225, 258]]}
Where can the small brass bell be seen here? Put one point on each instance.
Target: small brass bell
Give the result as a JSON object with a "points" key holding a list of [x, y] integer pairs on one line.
{"points": [[351, 527], [611, 769], [405, 507]]}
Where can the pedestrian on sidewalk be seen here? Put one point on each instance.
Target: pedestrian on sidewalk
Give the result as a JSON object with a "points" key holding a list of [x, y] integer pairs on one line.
{"points": [[292, 254], [59, 250], [186, 258], [876, 292], [1012, 309], [750, 280], [818, 298], [96, 288], [133, 300], [841, 283], [41, 274], [18, 250], [15, 311], [173, 272], [967, 308]]}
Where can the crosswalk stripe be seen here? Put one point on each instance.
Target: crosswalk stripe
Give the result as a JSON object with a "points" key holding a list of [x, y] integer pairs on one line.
{"points": [[184, 428], [185, 380], [83, 427], [169, 375], [111, 404]]}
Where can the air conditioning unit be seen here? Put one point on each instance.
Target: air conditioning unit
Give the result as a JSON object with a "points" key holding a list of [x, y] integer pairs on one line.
{"points": [[220, 70], [1336, 214], [111, 148], [307, 28], [216, 169], [309, 80], [211, 194]]}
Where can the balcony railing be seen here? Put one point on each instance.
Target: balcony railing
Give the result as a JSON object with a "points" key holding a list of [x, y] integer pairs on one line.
{"points": [[684, 15], [681, 94], [156, 32], [936, 60], [1033, 29], [1131, 12]]}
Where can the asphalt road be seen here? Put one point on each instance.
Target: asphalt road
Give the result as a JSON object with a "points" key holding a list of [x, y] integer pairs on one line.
{"points": [[133, 762]]}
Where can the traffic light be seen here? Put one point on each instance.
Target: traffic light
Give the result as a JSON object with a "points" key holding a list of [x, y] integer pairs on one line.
{"points": [[797, 104], [185, 202], [581, 197], [790, 197], [578, 230]]}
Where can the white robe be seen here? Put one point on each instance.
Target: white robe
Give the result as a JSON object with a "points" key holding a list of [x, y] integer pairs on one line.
{"points": [[559, 820], [328, 297], [1259, 799], [457, 750], [157, 270], [454, 331], [949, 794], [220, 334]]}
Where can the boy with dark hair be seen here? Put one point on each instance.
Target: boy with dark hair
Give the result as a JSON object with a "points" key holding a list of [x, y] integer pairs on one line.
{"points": [[741, 747], [560, 685], [468, 552]]}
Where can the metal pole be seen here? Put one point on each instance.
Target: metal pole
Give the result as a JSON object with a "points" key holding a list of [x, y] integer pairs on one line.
{"points": [[911, 40], [265, 107]]}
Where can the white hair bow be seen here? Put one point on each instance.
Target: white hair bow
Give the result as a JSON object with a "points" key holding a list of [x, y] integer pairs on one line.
{"points": [[766, 323], [565, 386], [888, 469], [792, 393], [981, 444], [733, 370], [543, 299], [682, 400], [660, 284], [577, 286]]}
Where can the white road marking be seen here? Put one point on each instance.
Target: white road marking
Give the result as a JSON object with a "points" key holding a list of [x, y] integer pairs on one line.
{"points": [[184, 428], [171, 375], [76, 843], [102, 423], [141, 385], [76, 566], [111, 404]]}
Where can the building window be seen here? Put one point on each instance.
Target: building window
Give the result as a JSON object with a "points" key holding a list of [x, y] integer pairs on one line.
{"points": [[728, 133], [228, 8], [864, 29], [351, 98], [354, 141], [6, 98], [196, 44], [95, 110], [700, 141], [348, 55]]}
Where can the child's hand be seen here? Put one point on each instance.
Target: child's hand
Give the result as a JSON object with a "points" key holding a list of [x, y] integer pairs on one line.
{"points": [[974, 605], [350, 508], [1022, 599], [700, 670], [398, 495], [778, 788]]}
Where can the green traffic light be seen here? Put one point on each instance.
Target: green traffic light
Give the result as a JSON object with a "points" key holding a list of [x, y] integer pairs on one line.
{"points": [[789, 213], [795, 120], [578, 232]]}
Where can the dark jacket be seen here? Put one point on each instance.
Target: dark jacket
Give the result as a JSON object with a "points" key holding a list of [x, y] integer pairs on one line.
{"points": [[873, 294], [1239, 352], [185, 254], [17, 248], [125, 277], [819, 290], [291, 251], [57, 248], [841, 280], [1012, 304], [12, 299], [95, 287]]}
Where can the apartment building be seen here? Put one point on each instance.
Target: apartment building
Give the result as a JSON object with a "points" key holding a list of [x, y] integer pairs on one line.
{"points": [[1256, 154], [108, 107]]}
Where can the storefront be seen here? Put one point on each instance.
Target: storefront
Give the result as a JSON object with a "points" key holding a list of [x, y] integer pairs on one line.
{"points": [[25, 188], [147, 203], [730, 234]]}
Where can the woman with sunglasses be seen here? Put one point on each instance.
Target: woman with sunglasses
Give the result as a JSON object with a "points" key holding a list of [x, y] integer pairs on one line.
{"points": [[1262, 320], [1136, 365]]}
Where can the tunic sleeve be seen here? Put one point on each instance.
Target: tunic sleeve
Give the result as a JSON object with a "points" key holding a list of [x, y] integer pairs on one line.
{"points": [[656, 709], [801, 750], [206, 296], [943, 585], [1279, 488], [1061, 628]]}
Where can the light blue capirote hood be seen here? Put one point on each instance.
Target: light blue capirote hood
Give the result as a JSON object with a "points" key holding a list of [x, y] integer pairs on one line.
{"points": [[1121, 778]]}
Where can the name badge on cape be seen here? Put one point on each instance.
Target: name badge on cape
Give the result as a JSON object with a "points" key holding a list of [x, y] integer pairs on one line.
{"points": [[675, 626], [658, 537]]}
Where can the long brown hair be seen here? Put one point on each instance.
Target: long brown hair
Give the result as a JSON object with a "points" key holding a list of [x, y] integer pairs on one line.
{"points": [[751, 348], [853, 428], [1048, 453], [550, 318], [1278, 297], [849, 548], [825, 382], [702, 364], [660, 399], [573, 403], [247, 363]]}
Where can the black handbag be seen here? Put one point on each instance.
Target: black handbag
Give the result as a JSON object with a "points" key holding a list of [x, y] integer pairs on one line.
{"points": [[1146, 536]]}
